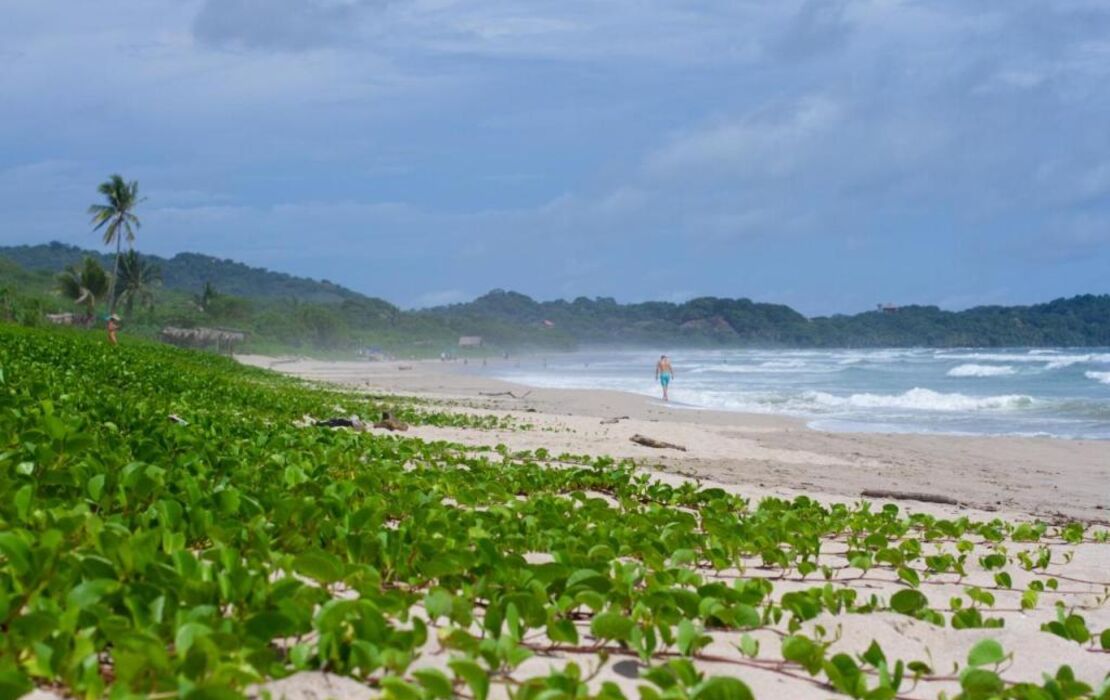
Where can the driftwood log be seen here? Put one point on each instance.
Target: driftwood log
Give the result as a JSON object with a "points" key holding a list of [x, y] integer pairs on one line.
{"points": [[388, 422], [909, 496], [657, 444], [611, 421], [503, 393]]}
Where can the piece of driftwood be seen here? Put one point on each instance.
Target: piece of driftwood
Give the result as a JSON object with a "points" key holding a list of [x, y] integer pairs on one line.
{"points": [[503, 393], [388, 422], [909, 496], [352, 422], [657, 444], [611, 421]]}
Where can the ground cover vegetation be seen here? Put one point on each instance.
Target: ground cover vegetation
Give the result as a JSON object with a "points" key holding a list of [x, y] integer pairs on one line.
{"points": [[198, 555], [282, 313]]}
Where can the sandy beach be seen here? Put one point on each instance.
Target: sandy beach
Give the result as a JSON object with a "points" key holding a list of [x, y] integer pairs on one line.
{"points": [[1013, 476], [758, 456]]}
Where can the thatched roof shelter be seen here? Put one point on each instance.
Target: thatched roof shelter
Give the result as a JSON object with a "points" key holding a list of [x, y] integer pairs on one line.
{"points": [[65, 319], [203, 337]]}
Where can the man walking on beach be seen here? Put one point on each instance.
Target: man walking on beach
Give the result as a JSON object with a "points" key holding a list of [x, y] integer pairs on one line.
{"points": [[663, 374]]}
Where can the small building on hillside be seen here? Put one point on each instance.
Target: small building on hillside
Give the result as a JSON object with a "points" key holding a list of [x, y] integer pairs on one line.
{"points": [[888, 308], [470, 341], [64, 319]]}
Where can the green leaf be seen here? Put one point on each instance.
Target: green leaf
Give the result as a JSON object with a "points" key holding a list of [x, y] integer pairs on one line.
{"points": [[95, 487], [320, 565], [434, 682], [746, 616], [14, 684], [749, 646], [908, 601], [985, 652], [909, 576], [438, 603], [804, 651], [721, 688], [981, 683], [874, 654], [562, 631], [22, 501], [398, 689], [91, 592], [687, 637], [681, 557], [1077, 628], [473, 675], [187, 634], [269, 624], [16, 551], [611, 625]]}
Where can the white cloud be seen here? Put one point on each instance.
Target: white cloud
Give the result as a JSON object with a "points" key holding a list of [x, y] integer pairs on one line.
{"points": [[765, 144], [567, 145]]}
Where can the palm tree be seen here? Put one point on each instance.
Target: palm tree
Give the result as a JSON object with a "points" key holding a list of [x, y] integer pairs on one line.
{"points": [[137, 279], [118, 219], [85, 285], [204, 299]]}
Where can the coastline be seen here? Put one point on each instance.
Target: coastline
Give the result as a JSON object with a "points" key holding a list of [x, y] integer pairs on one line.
{"points": [[1043, 477], [760, 456]]}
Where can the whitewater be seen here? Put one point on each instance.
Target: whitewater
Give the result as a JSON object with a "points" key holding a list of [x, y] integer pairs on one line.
{"points": [[1057, 392]]}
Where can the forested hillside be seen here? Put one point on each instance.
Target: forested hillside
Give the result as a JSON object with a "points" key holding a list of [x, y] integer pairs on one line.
{"points": [[284, 311], [191, 271], [1079, 321]]}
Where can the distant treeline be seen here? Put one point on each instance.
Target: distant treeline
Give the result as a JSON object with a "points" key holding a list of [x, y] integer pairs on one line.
{"points": [[282, 311], [1079, 321]]}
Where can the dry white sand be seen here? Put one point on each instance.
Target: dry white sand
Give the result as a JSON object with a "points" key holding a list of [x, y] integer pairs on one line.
{"points": [[756, 455]]}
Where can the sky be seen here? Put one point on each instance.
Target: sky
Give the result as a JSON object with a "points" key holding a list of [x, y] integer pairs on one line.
{"points": [[830, 155]]}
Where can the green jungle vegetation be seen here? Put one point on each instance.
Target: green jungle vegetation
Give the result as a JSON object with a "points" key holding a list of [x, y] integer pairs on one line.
{"points": [[144, 556], [285, 313], [279, 313]]}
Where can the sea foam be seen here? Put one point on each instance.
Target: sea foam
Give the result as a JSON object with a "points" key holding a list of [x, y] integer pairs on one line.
{"points": [[1051, 360], [919, 399], [1101, 377], [973, 370]]}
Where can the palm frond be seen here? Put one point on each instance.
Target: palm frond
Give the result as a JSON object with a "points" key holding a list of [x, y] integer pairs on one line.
{"points": [[121, 197]]}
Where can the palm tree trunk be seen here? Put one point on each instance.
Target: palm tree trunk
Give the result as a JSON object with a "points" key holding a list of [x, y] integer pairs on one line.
{"points": [[115, 274]]}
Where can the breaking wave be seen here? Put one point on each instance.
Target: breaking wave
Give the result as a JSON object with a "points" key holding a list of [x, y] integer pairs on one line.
{"points": [[919, 399], [1101, 377], [1011, 391], [973, 370], [1051, 360]]}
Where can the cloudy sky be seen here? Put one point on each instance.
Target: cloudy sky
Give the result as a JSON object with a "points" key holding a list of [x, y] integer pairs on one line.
{"points": [[826, 154]]}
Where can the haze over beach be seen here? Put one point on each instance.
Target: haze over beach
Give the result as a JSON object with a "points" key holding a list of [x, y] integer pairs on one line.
{"points": [[430, 349]]}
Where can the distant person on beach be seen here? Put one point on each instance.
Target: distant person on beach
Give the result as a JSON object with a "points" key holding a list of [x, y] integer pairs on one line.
{"points": [[113, 328], [663, 374]]}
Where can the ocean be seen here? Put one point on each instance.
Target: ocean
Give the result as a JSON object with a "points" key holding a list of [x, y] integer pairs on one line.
{"points": [[1058, 392]]}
